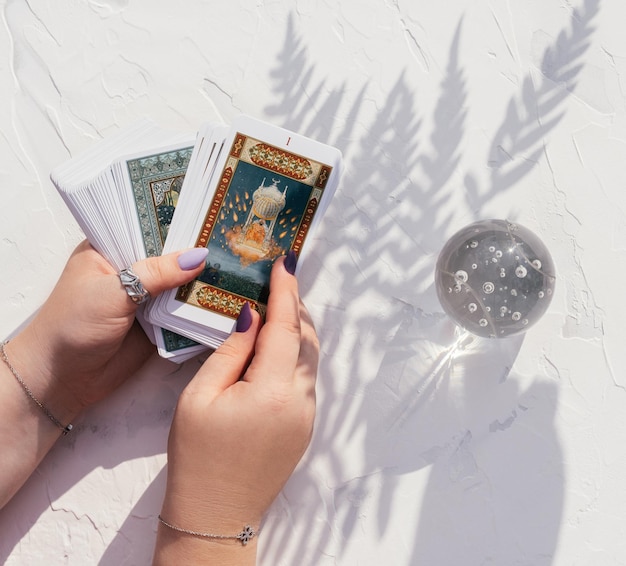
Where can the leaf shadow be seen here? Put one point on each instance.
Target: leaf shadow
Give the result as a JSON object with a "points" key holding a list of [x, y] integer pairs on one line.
{"points": [[444, 404], [436, 401]]}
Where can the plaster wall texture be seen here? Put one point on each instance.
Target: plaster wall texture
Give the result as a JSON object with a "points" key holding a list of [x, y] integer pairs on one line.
{"points": [[509, 453]]}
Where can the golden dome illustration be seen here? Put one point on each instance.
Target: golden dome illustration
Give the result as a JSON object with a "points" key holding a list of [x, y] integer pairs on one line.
{"points": [[267, 202]]}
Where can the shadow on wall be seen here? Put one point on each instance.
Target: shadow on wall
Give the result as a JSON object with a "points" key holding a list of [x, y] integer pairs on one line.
{"points": [[495, 487]]}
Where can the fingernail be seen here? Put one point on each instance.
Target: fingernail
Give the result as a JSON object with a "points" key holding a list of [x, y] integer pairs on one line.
{"points": [[244, 320], [192, 258], [290, 262]]}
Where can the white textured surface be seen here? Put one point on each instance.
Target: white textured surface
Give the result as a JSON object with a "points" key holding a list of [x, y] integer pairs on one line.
{"points": [[448, 112]]}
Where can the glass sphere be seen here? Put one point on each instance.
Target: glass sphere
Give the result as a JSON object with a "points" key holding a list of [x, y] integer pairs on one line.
{"points": [[495, 278]]}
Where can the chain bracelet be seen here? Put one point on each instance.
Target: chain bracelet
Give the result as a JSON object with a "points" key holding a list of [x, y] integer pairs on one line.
{"points": [[64, 428], [245, 536]]}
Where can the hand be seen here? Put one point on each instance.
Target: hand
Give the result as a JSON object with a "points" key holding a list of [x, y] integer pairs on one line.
{"points": [[83, 343], [240, 427]]}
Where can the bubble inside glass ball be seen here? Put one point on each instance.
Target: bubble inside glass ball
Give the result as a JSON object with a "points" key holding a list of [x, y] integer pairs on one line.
{"points": [[495, 278]]}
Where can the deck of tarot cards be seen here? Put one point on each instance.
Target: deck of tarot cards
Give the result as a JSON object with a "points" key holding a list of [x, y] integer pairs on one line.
{"points": [[249, 192]]}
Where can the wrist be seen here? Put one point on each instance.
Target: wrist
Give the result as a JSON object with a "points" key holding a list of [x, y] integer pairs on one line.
{"points": [[192, 533], [173, 547], [209, 513], [28, 428], [34, 361]]}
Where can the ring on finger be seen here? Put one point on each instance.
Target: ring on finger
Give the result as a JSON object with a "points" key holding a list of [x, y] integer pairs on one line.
{"points": [[133, 287]]}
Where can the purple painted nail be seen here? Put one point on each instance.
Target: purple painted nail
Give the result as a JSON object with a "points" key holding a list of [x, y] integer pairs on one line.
{"points": [[244, 320], [192, 258], [290, 262]]}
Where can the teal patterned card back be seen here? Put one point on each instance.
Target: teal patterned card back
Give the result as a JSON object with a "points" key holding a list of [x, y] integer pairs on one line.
{"points": [[156, 182]]}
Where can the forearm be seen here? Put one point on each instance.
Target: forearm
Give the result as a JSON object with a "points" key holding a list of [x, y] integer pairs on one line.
{"points": [[26, 432]]}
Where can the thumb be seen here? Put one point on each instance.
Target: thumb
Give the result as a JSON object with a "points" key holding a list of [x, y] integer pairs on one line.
{"points": [[227, 365], [158, 274]]}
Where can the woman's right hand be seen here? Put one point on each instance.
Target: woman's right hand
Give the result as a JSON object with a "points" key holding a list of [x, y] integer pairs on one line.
{"points": [[240, 428]]}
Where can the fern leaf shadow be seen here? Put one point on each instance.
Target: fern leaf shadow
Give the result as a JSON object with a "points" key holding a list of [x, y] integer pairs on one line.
{"points": [[433, 401]]}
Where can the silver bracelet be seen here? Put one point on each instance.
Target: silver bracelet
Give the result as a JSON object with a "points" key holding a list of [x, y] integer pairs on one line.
{"points": [[57, 422], [245, 536]]}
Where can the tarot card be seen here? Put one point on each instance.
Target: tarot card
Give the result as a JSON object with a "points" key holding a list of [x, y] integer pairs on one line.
{"points": [[98, 198], [125, 205], [156, 180], [269, 191], [206, 151], [209, 141]]}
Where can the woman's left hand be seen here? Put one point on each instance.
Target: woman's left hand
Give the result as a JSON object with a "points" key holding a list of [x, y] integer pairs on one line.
{"points": [[84, 342]]}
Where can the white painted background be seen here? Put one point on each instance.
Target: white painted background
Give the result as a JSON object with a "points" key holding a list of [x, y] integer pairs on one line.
{"points": [[446, 112]]}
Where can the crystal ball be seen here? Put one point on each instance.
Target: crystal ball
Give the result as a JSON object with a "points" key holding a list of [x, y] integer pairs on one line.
{"points": [[495, 278]]}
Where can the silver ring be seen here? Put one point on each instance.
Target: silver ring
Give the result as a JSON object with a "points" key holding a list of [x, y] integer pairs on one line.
{"points": [[132, 286]]}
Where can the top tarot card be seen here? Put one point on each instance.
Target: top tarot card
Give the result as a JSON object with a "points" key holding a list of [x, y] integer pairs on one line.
{"points": [[264, 204]]}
